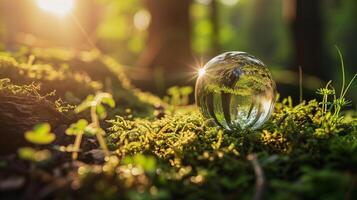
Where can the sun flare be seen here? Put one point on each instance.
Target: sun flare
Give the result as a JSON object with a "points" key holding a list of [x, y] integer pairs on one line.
{"points": [[201, 72], [57, 7]]}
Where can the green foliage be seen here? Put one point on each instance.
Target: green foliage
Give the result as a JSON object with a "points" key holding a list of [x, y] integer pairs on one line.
{"points": [[179, 96], [68, 77], [118, 26], [97, 112], [338, 103], [95, 103], [40, 134], [203, 160], [53, 77], [77, 130], [31, 154], [28, 90], [26, 153], [329, 184], [305, 151], [146, 163]]}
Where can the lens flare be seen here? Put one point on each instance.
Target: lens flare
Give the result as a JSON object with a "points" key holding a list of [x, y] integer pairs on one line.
{"points": [[201, 72], [57, 7]]}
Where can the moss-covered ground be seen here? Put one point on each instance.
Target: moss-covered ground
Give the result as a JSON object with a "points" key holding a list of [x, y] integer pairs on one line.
{"points": [[158, 149]]}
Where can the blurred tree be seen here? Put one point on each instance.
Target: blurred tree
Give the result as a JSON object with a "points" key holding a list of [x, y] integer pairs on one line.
{"points": [[215, 27], [168, 48], [202, 28], [2, 34], [341, 30], [306, 25], [267, 36], [122, 31]]}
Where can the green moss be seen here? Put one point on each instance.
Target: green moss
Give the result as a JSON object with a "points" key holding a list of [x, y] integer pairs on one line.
{"points": [[305, 151], [302, 152], [74, 75]]}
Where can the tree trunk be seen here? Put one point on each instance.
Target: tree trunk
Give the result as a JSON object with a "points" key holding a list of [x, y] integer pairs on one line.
{"points": [[215, 25], [169, 41], [307, 37]]}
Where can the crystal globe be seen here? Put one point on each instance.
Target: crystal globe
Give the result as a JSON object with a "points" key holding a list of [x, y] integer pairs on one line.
{"points": [[236, 90]]}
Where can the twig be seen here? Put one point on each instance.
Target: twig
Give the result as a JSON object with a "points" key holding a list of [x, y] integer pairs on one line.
{"points": [[260, 183], [300, 84], [350, 188]]}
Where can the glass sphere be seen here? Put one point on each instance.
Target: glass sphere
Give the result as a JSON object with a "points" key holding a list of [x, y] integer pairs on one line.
{"points": [[236, 90]]}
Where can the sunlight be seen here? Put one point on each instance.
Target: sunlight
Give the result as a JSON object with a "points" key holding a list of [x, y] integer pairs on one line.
{"points": [[57, 7], [201, 72]]}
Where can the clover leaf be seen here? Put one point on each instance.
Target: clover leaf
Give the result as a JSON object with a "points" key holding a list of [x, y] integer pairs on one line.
{"points": [[77, 128], [40, 134]]}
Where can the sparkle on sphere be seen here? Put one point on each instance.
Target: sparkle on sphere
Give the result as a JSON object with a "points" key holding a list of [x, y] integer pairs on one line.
{"points": [[236, 90], [201, 72]]}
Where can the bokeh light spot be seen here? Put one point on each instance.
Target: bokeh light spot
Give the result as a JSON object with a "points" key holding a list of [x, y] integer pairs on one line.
{"points": [[204, 2], [142, 20], [229, 2]]}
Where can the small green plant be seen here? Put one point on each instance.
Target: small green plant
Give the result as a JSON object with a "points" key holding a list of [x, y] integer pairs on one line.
{"points": [[338, 102], [40, 134], [97, 112], [326, 92], [31, 154], [341, 101], [77, 129], [179, 96]]}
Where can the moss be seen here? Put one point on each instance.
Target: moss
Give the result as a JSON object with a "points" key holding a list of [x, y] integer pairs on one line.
{"points": [[73, 75], [304, 151], [196, 160]]}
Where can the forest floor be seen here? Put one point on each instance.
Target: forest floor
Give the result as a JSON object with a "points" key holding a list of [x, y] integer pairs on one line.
{"points": [[72, 126]]}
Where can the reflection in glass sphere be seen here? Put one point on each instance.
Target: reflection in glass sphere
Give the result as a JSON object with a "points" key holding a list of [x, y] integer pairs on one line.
{"points": [[236, 90]]}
